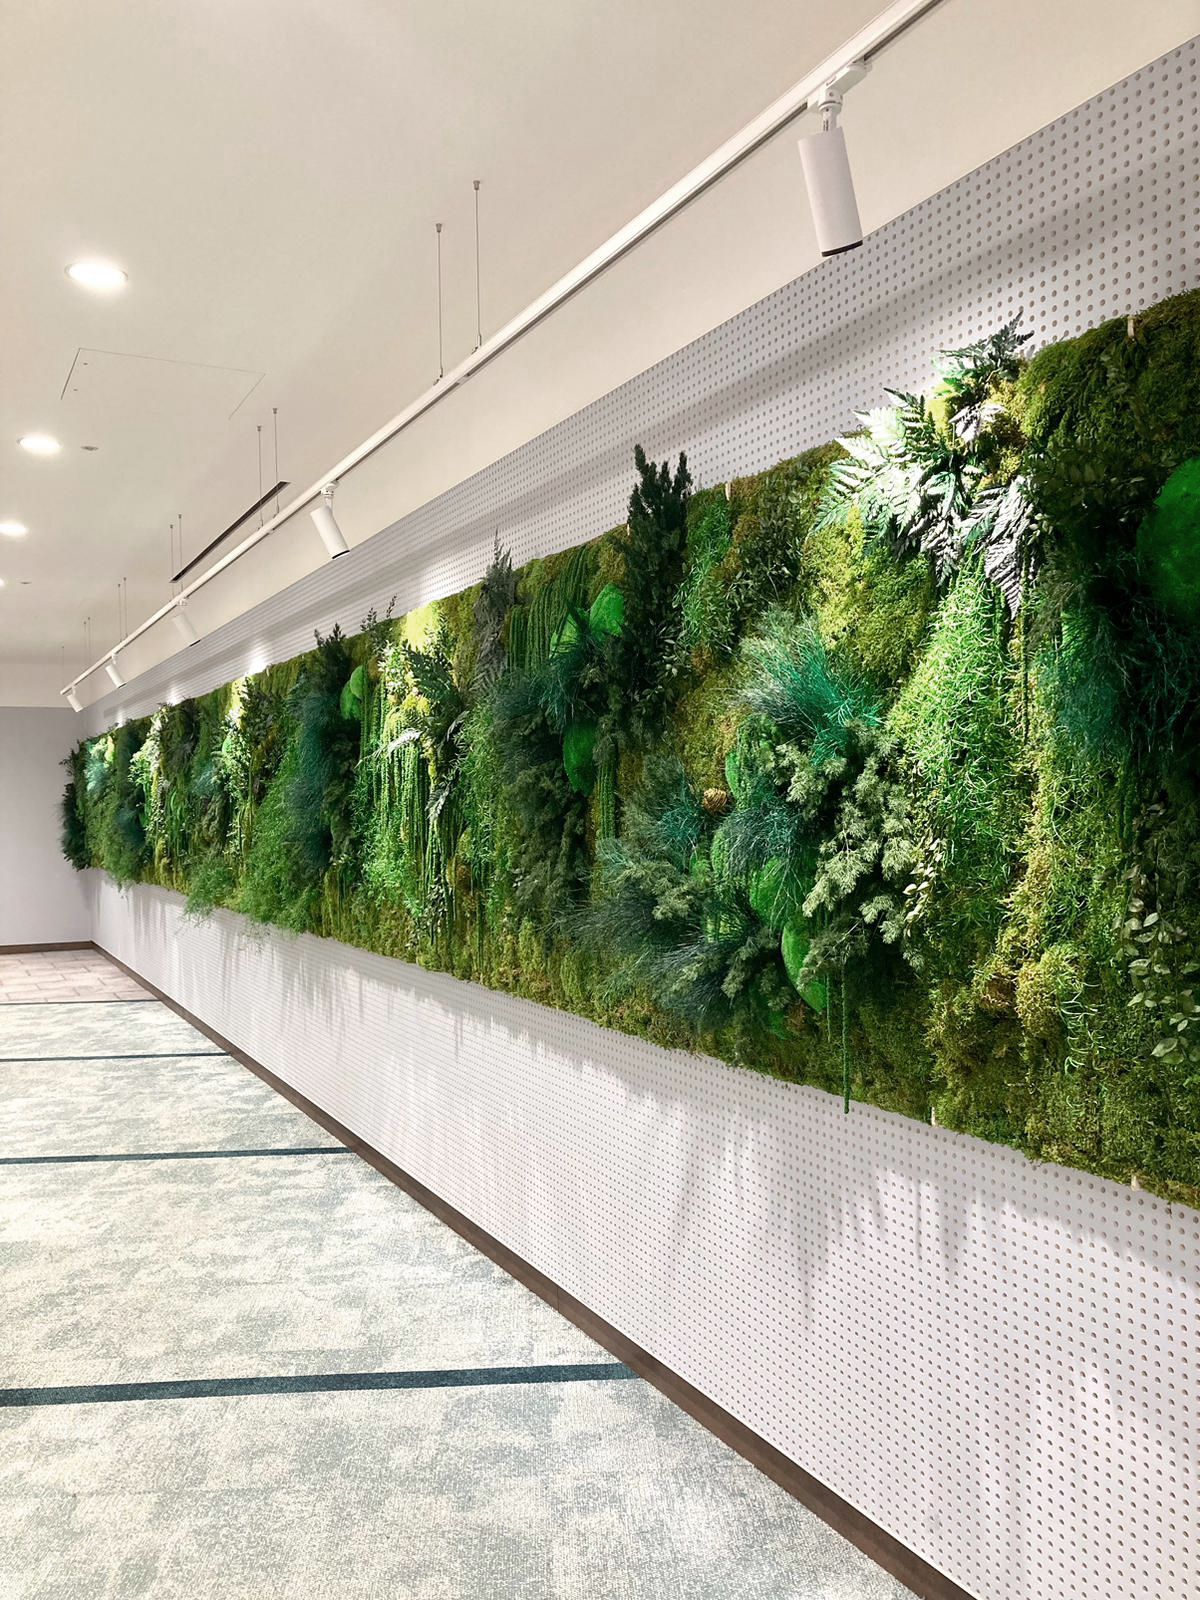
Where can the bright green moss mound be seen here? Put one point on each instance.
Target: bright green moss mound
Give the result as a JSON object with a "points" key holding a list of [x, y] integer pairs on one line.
{"points": [[881, 767], [1168, 542]]}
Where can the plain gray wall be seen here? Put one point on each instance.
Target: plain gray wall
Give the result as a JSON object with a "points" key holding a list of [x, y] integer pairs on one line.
{"points": [[41, 896]]}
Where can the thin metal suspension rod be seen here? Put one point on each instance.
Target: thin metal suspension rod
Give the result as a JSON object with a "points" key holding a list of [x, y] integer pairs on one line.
{"points": [[478, 302], [441, 363]]}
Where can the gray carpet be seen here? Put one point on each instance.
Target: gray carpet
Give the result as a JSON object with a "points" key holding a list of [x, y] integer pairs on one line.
{"points": [[275, 1265]]}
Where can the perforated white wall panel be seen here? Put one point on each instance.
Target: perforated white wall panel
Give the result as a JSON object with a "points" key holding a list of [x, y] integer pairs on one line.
{"points": [[990, 1359], [993, 1360]]}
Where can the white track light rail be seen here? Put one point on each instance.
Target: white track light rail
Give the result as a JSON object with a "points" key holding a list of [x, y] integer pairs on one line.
{"points": [[839, 68]]}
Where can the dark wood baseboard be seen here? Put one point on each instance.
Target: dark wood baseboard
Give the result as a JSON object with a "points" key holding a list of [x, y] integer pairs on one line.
{"points": [[34, 949], [926, 1582]]}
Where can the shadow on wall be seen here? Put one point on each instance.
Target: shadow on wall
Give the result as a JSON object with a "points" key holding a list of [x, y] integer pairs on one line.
{"points": [[859, 1290]]}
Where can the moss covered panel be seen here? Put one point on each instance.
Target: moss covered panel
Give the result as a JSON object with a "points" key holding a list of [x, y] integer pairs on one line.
{"points": [[877, 771]]}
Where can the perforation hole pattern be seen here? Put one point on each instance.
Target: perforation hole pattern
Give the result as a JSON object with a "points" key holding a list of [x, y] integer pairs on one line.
{"points": [[993, 1360]]}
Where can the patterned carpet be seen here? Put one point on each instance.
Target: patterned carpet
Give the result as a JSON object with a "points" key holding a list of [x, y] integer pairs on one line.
{"points": [[503, 1455], [58, 975]]}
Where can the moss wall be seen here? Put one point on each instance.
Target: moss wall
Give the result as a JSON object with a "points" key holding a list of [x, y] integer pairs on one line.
{"points": [[877, 771]]}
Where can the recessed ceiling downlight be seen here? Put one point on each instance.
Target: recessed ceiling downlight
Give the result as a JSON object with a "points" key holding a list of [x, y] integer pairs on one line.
{"points": [[39, 444], [100, 276], [13, 530]]}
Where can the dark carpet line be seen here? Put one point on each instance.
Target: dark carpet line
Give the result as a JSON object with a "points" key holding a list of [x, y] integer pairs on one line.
{"points": [[179, 1155], [143, 1055], [139, 1000], [74, 1394]]}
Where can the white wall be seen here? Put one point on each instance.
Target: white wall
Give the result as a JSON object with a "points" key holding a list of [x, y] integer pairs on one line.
{"points": [[41, 897], [992, 1359]]}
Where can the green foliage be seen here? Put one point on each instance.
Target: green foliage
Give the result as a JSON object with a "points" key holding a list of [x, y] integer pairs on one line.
{"points": [[775, 515], [930, 474], [317, 797], [876, 771], [1109, 416], [682, 929], [653, 545], [794, 685], [859, 804], [74, 827], [496, 598], [115, 824], [1168, 544], [706, 617], [954, 721]]}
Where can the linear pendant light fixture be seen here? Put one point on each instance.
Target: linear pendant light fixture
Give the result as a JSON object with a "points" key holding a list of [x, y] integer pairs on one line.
{"points": [[853, 57]]}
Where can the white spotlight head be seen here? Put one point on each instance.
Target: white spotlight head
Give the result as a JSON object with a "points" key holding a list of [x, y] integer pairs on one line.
{"points": [[73, 700], [183, 623], [326, 524], [114, 672], [830, 185]]}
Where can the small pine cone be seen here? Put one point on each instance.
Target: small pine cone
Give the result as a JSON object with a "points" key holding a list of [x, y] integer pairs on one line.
{"points": [[716, 802]]}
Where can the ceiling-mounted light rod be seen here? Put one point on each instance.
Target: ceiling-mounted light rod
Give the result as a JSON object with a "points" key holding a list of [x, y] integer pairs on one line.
{"points": [[326, 524], [862, 46]]}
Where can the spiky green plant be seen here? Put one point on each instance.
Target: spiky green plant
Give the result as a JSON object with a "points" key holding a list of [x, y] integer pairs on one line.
{"points": [[791, 681]]}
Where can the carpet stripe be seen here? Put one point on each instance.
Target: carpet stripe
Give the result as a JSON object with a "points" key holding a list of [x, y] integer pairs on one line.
{"points": [[179, 1155], [143, 1055], [74, 1394]]}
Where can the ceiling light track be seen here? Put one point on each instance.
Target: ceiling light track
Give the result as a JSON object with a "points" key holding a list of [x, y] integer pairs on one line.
{"points": [[271, 494], [893, 21]]}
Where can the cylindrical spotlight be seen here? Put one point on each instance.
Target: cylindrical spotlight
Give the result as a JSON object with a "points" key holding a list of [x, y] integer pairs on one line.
{"points": [[183, 623], [326, 524], [830, 185], [114, 672], [73, 700]]}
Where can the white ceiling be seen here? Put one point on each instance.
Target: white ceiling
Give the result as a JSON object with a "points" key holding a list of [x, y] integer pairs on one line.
{"points": [[269, 173]]}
